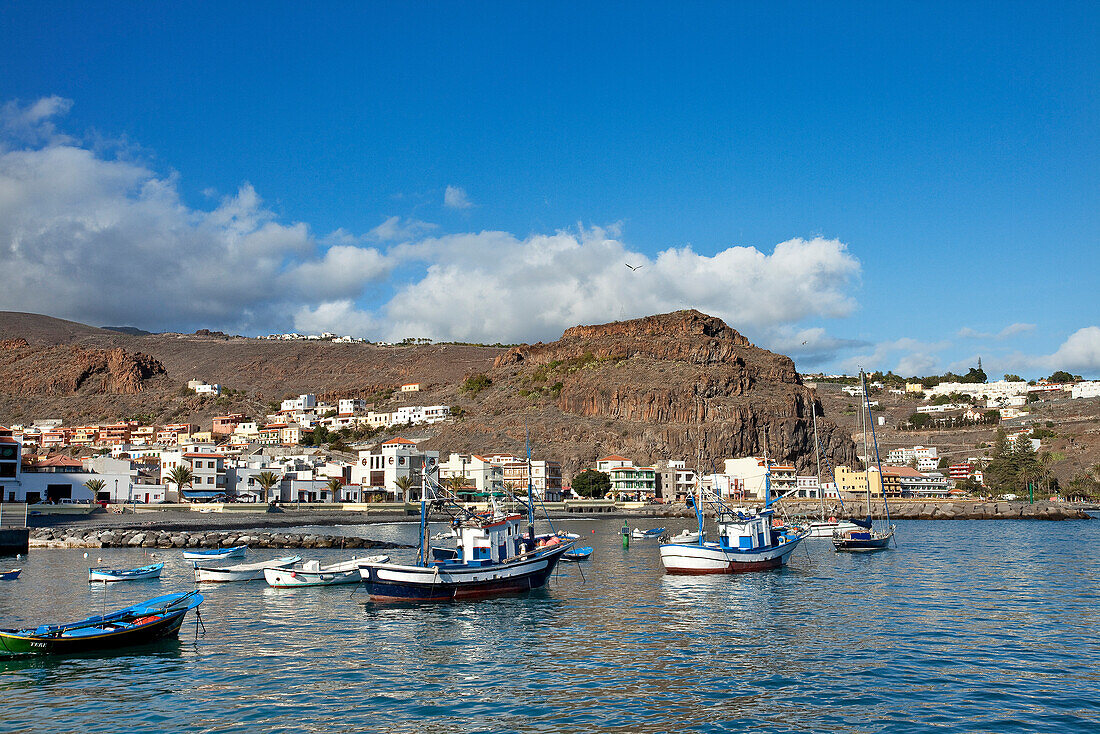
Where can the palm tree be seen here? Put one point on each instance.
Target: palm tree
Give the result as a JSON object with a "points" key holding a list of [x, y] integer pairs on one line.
{"points": [[457, 484], [180, 476], [333, 485], [267, 480], [404, 484], [95, 486]]}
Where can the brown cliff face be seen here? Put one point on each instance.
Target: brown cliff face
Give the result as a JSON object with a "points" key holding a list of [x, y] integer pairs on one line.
{"points": [[59, 370], [682, 385]]}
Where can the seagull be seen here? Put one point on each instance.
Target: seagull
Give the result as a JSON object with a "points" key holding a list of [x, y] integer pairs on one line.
{"points": [[634, 267], [803, 343]]}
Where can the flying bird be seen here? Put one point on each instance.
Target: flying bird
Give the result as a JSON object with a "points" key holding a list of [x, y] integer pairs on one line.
{"points": [[803, 343], [634, 267]]}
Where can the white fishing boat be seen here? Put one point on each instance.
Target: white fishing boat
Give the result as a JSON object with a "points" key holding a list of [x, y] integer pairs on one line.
{"points": [[312, 573], [242, 571], [687, 536], [642, 534], [216, 554], [492, 554], [747, 540], [144, 573]]}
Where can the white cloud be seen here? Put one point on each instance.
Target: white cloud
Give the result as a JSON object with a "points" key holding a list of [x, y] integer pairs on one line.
{"points": [[493, 286], [106, 240], [1080, 353], [1011, 330], [809, 347], [338, 317], [397, 229], [455, 198], [905, 356]]}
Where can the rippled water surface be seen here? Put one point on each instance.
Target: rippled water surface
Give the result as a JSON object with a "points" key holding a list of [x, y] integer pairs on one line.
{"points": [[968, 626]]}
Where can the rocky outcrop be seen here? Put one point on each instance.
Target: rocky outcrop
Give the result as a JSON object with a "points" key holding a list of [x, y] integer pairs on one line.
{"points": [[679, 385], [56, 370]]}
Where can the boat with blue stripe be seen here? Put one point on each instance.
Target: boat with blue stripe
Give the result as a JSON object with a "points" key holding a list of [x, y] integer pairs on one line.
{"points": [[493, 555]]}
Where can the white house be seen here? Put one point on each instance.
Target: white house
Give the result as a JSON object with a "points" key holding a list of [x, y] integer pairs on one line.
{"points": [[302, 402], [396, 458], [1085, 390]]}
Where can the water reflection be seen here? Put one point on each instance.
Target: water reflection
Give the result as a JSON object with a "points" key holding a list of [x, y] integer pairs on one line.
{"points": [[956, 631]]}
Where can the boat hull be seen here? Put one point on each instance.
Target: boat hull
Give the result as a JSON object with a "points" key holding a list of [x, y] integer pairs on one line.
{"points": [[695, 559], [248, 572], [874, 543], [147, 573], [826, 529], [390, 582], [165, 628], [577, 554], [280, 578], [215, 554]]}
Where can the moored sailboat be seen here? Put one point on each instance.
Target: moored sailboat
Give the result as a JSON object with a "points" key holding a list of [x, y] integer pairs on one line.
{"points": [[865, 537]]}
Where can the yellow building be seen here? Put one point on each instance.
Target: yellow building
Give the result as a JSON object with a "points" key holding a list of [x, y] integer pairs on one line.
{"points": [[855, 481], [914, 387]]}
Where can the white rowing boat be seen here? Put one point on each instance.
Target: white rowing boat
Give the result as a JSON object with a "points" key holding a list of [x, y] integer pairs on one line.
{"points": [[242, 571], [312, 573], [143, 573]]}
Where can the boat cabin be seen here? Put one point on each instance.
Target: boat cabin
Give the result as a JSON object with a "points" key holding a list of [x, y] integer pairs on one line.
{"points": [[493, 541], [745, 531]]}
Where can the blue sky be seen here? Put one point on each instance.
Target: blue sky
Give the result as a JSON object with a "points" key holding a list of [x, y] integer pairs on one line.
{"points": [[934, 169]]}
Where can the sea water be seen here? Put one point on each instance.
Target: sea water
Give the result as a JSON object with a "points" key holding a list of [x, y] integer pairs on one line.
{"points": [[965, 626]]}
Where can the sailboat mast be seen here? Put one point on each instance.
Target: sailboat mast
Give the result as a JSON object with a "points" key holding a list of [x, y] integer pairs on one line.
{"points": [[817, 455], [767, 472], [866, 450], [530, 490]]}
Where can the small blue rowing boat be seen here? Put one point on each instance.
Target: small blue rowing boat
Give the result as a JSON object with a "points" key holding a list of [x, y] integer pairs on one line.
{"points": [[11, 575], [651, 533], [577, 554], [216, 554], [152, 571]]}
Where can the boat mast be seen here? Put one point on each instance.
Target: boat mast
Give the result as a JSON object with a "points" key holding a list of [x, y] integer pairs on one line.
{"points": [[878, 461], [817, 455], [866, 450], [767, 472], [530, 489]]}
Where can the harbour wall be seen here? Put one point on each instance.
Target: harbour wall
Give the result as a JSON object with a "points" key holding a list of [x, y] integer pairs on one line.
{"points": [[153, 538]]}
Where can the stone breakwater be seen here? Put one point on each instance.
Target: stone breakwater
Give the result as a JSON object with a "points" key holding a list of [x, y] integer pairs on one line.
{"points": [[148, 538], [905, 510]]}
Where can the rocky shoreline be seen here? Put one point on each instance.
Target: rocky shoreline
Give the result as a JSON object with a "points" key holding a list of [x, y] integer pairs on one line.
{"points": [[909, 510], [152, 538]]}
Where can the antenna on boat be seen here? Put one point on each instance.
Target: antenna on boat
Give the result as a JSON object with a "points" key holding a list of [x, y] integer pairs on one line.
{"points": [[530, 488], [767, 471]]}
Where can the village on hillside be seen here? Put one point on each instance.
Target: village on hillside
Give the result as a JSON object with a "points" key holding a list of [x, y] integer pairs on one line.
{"points": [[307, 451]]}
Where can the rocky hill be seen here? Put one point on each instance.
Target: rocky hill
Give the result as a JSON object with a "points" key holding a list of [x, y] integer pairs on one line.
{"points": [[680, 385]]}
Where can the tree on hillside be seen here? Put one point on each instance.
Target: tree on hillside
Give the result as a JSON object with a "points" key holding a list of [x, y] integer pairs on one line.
{"points": [[475, 384], [1061, 376], [1013, 378], [592, 483], [180, 476], [267, 481]]}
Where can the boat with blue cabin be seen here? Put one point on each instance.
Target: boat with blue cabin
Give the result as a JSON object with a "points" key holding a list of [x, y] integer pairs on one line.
{"points": [[493, 555], [746, 540]]}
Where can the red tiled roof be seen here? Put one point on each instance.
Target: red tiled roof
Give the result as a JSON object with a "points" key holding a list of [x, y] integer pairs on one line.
{"points": [[203, 456], [613, 457], [404, 441], [60, 461]]}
